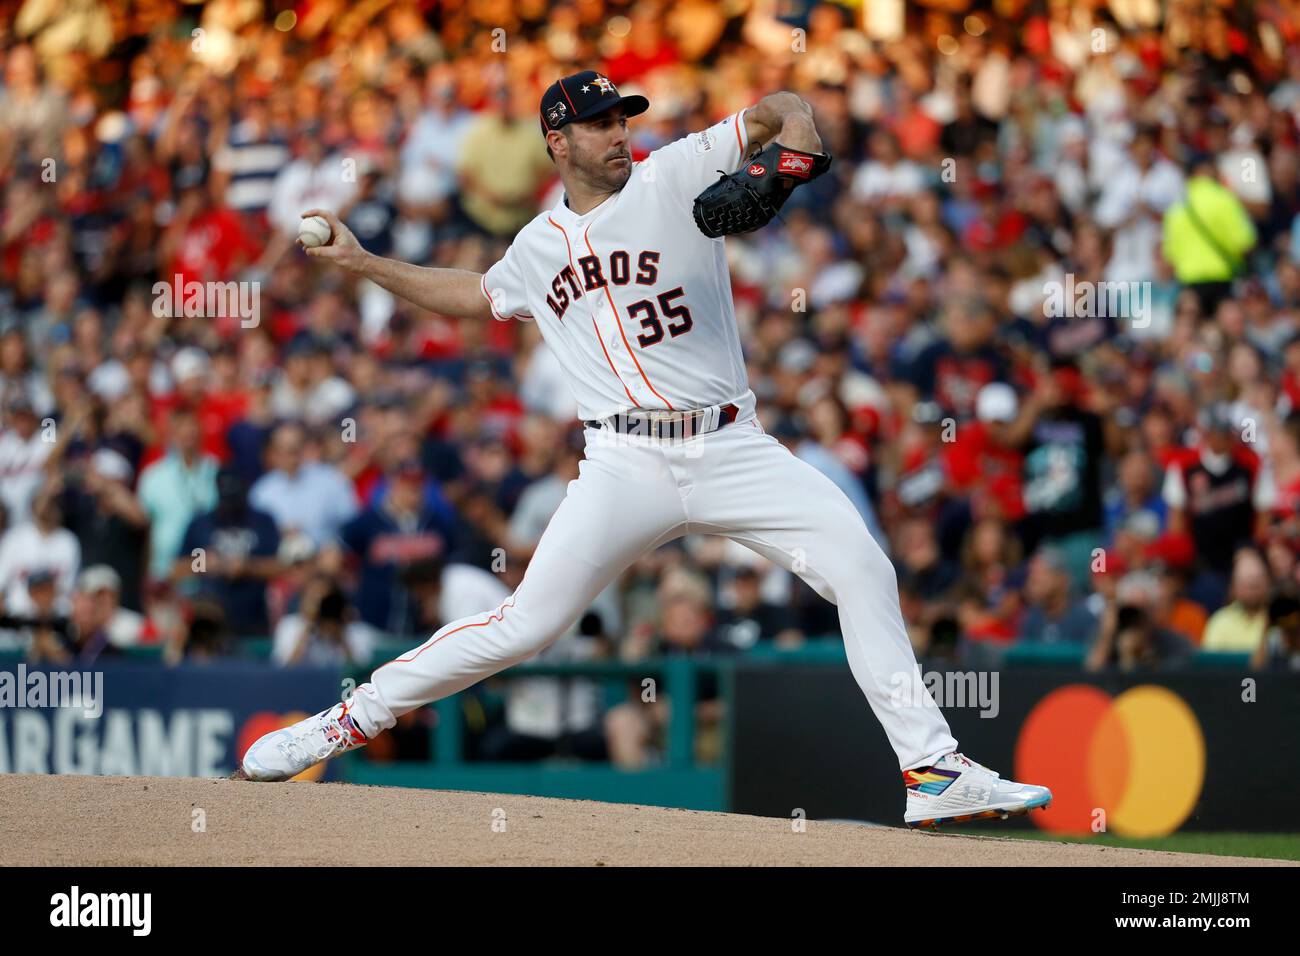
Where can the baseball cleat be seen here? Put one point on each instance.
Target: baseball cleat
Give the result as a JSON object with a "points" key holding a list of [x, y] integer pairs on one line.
{"points": [[958, 790], [285, 753]]}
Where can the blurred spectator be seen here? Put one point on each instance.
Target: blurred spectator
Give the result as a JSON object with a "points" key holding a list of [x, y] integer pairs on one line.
{"points": [[311, 497], [324, 631], [1207, 236], [24, 448], [684, 627], [312, 180], [1053, 615], [38, 544], [1211, 496], [307, 389], [388, 537], [502, 164], [1280, 648], [175, 489], [108, 519], [97, 626], [229, 554], [251, 159], [1130, 639], [1240, 625], [203, 638], [750, 620]]}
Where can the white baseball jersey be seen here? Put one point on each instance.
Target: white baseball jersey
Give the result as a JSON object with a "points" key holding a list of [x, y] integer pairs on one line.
{"points": [[635, 304], [632, 298]]}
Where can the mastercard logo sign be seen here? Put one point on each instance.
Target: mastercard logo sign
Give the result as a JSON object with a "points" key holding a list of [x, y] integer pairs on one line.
{"points": [[1139, 757], [264, 722]]}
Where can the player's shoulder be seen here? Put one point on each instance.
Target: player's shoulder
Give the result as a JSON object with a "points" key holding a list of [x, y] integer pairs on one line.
{"points": [[711, 139]]}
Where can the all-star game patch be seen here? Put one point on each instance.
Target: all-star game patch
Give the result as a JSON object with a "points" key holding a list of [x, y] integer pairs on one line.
{"points": [[555, 113]]}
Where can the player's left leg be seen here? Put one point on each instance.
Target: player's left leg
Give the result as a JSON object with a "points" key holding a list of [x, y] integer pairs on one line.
{"points": [[750, 488]]}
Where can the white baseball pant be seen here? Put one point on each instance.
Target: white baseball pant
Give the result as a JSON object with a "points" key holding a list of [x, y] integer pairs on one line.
{"points": [[635, 494]]}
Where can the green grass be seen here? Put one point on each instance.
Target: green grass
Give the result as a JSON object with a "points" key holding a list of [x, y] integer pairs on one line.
{"points": [[1273, 846]]}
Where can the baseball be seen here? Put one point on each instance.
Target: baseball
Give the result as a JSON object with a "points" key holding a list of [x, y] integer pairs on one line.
{"points": [[314, 231]]}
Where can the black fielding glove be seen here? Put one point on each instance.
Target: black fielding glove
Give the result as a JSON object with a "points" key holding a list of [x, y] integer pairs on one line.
{"points": [[750, 198]]}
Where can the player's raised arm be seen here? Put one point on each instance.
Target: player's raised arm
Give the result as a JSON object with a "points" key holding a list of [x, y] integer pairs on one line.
{"points": [[447, 291], [783, 117]]}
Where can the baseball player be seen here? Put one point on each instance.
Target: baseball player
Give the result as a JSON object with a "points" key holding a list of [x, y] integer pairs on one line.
{"points": [[627, 277]]}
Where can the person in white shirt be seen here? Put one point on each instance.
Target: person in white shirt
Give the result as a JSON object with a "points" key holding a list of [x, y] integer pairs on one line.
{"points": [[1133, 202], [887, 177], [312, 179], [24, 447], [39, 543]]}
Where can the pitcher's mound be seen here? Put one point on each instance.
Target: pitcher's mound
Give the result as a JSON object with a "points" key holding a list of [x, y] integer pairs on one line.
{"points": [[127, 821]]}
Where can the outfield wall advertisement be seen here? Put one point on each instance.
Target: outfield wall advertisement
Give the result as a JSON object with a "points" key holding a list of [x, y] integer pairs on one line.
{"points": [[147, 720], [1134, 755]]}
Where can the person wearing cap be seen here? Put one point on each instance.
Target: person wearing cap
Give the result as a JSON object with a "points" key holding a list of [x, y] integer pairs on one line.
{"points": [[984, 463], [96, 626], [108, 519], [230, 553], [1212, 495], [387, 537]]}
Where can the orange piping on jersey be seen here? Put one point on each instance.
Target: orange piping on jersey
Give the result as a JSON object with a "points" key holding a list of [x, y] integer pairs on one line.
{"points": [[622, 333], [495, 313], [594, 327], [739, 142], [497, 615]]}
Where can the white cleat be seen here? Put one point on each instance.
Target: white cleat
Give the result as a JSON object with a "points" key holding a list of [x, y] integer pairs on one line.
{"points": [[285, 753], [958, 790]]}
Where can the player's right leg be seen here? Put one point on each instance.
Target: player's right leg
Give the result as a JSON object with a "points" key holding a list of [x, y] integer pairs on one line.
{"points": [[623, 503]]}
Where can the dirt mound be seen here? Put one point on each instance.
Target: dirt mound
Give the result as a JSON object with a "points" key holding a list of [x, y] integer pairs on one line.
{"points": [[125, 821]]}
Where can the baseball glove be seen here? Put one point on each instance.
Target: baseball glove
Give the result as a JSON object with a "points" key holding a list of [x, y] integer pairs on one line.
{"points": [[750, 198]]}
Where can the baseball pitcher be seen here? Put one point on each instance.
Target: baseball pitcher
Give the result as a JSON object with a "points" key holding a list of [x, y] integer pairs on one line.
{"points": [[627, 277]]}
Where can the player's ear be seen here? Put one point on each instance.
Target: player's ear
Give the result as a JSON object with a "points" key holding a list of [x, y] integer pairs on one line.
{"points": [[557, 141]]}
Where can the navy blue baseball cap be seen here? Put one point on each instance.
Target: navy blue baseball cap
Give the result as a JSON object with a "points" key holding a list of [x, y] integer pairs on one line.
{"points": [[584, 95]]}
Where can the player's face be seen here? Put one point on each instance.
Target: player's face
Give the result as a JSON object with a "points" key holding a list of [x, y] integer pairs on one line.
{"points": [[600, 151]]}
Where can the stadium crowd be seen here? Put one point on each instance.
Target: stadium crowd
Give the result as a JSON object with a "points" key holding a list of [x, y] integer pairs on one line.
{"points": [[1041, 323]]}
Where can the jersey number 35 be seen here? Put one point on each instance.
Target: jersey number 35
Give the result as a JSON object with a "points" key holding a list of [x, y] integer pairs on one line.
{"points": [[677, 314]]}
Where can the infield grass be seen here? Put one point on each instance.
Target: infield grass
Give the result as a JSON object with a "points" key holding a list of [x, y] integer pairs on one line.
{"points": [[1273, 846]]}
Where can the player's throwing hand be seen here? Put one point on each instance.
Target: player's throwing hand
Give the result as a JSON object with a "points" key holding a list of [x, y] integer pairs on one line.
{"points": [[343, 248]]}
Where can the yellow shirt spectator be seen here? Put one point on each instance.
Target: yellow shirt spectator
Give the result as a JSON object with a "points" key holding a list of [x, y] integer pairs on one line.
{"points": [[1233, 628], [503, 163]]}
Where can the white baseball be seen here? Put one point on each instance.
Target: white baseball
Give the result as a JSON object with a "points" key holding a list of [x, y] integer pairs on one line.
{"points": [[314, 231]]}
